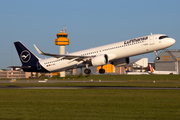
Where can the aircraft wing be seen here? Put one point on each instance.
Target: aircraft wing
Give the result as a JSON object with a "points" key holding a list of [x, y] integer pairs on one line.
{"points": [[19, 67], [65, 56]]}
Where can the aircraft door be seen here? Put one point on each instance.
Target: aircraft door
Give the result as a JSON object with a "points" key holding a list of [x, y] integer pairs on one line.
{"points": [[151, 40]]}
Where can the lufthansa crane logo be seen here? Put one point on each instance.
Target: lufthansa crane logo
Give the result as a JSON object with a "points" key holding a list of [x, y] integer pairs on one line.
{"points": [[25, 56]]}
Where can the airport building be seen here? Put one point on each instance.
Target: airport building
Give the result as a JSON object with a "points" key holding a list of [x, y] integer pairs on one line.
{"points": [[16, 74], [169, 60], [62, 41], [20, 74], [135, 65]]}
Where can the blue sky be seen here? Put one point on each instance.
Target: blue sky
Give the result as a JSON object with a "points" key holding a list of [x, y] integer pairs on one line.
{"points": [[89, 23]]}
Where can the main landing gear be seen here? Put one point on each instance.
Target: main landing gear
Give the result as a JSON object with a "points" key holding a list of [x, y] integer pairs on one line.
{"points": [[101, 71], [157, 57], [87, 70]]}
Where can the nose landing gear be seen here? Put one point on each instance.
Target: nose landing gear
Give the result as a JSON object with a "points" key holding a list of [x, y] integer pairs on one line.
{"points": [[157, 57]]}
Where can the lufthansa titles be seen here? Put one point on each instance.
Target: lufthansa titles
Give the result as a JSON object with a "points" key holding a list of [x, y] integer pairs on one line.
{"points": [[135, 40]]}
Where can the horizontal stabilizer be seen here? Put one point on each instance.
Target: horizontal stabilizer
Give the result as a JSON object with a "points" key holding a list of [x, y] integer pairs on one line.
{"points": [[19, 67]]}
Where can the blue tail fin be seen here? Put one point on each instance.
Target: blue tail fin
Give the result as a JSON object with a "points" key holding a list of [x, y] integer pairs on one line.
{"points": [[26, 56], [126, 69], [28, 59]]}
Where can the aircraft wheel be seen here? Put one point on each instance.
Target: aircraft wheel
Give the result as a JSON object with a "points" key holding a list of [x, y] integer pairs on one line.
{"points": [[157, 58], [101, 71], [87, 71]]}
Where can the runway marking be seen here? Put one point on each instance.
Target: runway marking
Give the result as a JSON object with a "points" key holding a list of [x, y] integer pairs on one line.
{"points": [[121, 88]]}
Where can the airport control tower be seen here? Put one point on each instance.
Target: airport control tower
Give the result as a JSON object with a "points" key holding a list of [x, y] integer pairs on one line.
{"points": [[62, 40]]}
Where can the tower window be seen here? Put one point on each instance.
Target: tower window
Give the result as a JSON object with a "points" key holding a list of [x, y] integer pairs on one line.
{"points": [[61, 36]]}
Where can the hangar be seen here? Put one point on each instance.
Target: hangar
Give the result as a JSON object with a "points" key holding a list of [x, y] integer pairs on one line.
{"points": [[169, 60]]}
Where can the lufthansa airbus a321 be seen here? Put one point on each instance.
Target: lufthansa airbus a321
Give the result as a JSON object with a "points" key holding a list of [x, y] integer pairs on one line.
{"points": [[117, 54]]}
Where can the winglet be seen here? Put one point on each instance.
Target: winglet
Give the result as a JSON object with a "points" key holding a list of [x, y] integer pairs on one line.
{"points": [[42, 53], [38, 50]]}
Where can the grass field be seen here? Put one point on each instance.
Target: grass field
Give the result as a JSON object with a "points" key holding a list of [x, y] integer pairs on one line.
{"points": [[90, 104], [105, 104]]}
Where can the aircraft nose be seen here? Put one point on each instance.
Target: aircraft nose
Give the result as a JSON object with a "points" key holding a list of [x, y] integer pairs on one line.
{"points": [[173, 41]]}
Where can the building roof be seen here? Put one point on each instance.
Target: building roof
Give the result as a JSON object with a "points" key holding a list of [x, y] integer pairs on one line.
{"points": [[169, 55]]}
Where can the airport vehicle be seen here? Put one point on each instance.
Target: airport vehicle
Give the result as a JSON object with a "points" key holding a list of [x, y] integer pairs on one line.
{"points": [[117, 54], [135, 73], [152, 71]]}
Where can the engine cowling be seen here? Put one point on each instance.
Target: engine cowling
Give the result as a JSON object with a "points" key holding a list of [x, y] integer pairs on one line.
{"points": [[99, 60], [120, 62]]}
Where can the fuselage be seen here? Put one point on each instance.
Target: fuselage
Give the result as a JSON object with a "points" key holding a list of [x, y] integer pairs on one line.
{"points": [[164, 72], [138, 73], [114, 51]]}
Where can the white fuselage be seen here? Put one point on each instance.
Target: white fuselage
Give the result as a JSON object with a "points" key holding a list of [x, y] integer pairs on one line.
{"points": [[164, 72], [138, 73], [114, 51]]}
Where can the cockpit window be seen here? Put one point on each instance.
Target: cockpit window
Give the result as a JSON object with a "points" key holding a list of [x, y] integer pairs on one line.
{"points": [[162, 37]]}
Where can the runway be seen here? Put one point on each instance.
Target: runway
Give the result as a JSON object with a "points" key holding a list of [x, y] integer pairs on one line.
{"points": [[56, 81], [14, 86], [120, 88]]}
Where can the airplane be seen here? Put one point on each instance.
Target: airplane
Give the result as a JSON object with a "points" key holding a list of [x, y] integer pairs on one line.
{"points": [[116, 53], [135, 73], [152, 71]]}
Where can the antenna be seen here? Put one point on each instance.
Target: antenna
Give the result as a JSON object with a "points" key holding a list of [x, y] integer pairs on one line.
{"points": [[65, 29], [11, 56]]}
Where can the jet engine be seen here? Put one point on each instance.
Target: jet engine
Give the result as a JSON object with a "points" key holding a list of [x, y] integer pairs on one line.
{"points": [[99, 60], [120, 62]]}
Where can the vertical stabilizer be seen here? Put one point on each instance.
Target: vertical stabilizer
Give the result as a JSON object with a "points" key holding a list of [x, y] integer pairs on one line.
{"points": [[30, 63], [151, 69], [126, 69], [26, 56]]}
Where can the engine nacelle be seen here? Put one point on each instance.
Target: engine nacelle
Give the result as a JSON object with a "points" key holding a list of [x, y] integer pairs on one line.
{"points": [[120, 62], [99, 60]]}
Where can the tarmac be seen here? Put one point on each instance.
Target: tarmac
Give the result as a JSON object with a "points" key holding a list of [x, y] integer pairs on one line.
{"points": [[79, 87], [120, 88]]}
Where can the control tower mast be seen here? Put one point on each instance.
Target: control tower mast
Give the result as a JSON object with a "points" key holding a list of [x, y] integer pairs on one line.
{"points": [[62, 40]]}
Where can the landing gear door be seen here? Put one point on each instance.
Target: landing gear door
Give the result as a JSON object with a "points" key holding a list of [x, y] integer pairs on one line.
{"points": [[151, 40]]}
